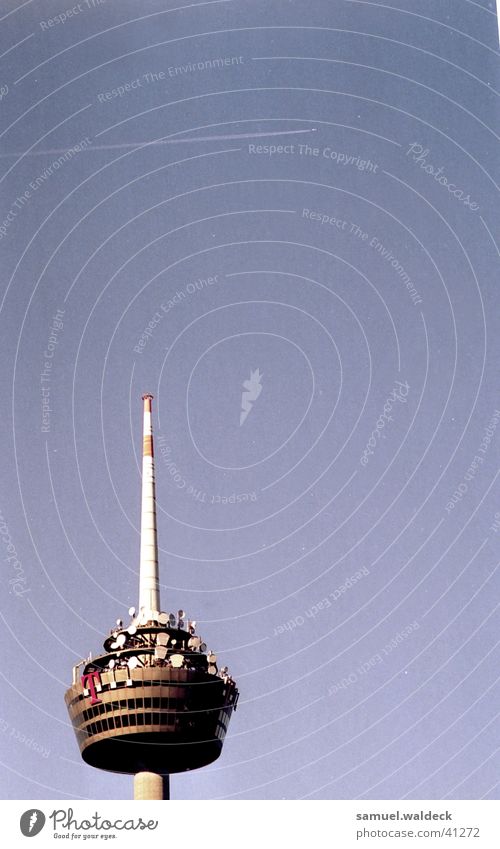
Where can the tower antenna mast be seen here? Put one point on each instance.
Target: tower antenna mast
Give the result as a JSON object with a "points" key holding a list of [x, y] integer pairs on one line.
{"points": [[149, 581]]}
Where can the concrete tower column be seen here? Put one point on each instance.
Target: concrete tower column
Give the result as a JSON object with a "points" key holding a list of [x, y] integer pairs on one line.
{"points": [[150, 785]]}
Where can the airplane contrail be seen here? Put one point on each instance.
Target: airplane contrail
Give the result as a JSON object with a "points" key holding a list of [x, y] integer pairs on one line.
{"points": [[138, 144]]}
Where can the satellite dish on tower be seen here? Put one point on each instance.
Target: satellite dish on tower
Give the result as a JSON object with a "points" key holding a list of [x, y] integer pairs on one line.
{"points": [[161, 652]]}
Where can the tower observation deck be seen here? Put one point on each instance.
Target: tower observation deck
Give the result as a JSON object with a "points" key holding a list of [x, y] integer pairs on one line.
{"points": [[155, 702]]}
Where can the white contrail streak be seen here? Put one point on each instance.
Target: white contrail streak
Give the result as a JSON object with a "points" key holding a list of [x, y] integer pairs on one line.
{"points": [[138, 144]]}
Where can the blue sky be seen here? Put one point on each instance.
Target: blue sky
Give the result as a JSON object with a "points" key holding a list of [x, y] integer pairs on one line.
{"points": [[192, 193]]}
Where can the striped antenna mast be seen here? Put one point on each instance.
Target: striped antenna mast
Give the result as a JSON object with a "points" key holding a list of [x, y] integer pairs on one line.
{"points": [[149, 583]]}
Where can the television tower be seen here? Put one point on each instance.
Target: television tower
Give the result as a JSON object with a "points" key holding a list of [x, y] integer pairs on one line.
{"points": [[155, 702]]}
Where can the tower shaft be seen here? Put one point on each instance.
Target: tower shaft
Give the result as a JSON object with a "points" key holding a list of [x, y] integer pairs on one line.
{"points": [[149, 583], [150, 785]]}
